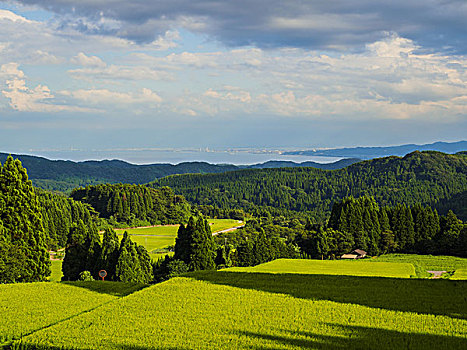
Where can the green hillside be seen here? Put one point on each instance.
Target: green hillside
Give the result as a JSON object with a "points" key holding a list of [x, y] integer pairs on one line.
{"points": [[242, 310], [429, 178]]}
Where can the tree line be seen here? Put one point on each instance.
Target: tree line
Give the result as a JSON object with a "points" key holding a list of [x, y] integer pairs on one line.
{"points": [[362, 224], [134, 205], [429, 178]]}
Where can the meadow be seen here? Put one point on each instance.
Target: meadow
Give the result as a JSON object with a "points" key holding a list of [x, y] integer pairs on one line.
{"points": [[245, 310], [27, 307], [424, 263], [332, 267], [283, 304]]}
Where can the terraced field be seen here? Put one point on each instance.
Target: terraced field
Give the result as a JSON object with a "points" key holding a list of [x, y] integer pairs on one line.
{"points": [[333, 267], [28, 307], [246, 309], [424, 263]]}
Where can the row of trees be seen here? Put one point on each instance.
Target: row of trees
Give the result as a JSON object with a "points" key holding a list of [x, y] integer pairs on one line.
{"points": [[134, 204], [196, 248], [362, 224], [124, 260]]}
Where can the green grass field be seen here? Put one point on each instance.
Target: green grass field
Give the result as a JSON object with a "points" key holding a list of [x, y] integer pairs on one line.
{"points": [[284, 304], [56, 268], [159, 237], [26, 307], [424, 263], [332, 267], [245, 310], [460, 274]]}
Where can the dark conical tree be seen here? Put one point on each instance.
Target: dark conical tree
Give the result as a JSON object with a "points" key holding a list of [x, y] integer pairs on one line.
{"points": [[133, 263], [82, 252], [23, 252], [403, 227], [202, 247], [195, 246], [262, 248], [109, 253], [183, 241]]}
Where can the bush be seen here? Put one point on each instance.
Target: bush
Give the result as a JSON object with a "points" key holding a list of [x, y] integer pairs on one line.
{"points": [[85, 276]]}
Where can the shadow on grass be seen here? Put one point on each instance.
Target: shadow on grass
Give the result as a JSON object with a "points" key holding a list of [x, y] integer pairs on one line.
{"points": [[26, 346], [119, 289], [438, 297], [357, 337]]}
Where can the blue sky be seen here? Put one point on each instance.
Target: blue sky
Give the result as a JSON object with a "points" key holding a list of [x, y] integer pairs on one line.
{"points": [[99, 74]]}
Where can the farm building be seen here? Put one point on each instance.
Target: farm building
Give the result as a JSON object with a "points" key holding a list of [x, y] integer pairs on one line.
{"points": [[349, 256], [356, 254]]}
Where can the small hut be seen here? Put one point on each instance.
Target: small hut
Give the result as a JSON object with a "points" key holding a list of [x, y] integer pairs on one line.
{"points": [[360, 253], [349, 256], [355, 254]]}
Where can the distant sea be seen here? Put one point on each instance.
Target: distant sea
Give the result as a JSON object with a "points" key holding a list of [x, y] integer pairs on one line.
{"points": [[175, 156]]}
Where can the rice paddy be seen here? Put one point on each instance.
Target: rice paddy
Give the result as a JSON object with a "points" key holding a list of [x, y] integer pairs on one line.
{"points": [[332, 267], [242, 310], [283, 304]]}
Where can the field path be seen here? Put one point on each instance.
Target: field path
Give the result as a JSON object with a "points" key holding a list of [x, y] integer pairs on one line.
{"points": [[228, 230]]}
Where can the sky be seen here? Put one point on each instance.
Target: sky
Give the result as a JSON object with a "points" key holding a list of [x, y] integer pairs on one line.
{"points": [[96, 74]]}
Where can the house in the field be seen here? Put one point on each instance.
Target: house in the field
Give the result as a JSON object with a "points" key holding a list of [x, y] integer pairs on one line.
{"points": [[356, 254]]}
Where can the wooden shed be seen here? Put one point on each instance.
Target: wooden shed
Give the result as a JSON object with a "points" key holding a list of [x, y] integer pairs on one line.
{"points": [[349, 256], [355, 254], [360, 253]]}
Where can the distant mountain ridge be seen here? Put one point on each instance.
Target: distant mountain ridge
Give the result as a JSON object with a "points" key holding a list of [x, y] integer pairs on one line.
{"points": [[64, 175], [377, 152]]}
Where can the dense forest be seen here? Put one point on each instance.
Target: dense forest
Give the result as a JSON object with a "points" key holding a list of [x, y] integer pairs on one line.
{"points": [[64, 176], [429, 178], [135, 204], [59, 214]]}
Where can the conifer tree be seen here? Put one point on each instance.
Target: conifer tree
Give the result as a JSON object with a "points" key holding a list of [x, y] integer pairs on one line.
{"points": [[109, 254], [82, 252], [133, 263], [194, 245], [23, 252]]}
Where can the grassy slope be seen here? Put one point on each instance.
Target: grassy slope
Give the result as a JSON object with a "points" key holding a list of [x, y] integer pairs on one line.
{"points": [[424, 263], [28, 307], [212, 310], [56, 268], [460, 274], [333, 267]]}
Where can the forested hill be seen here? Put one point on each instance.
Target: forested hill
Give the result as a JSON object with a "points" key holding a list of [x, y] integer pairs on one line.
{"points": [[430, 178], [60, 175]]}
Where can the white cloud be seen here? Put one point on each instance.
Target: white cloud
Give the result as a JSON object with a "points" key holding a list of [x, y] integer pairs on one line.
{"points": [[11, 16], [11, 69], [87, 61], [37, 99], [102, 97], [117, 72]]}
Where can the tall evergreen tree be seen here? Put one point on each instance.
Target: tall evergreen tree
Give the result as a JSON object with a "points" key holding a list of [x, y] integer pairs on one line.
{"points": [[194, 245], [82, 252], [109, 253], [133, 263], [23, 252]]}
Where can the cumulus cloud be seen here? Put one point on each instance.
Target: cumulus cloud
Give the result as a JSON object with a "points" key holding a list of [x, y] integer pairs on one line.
{"points": [[310, 24], [87, 61], [391, 79], [25, 99], [106, 97]]}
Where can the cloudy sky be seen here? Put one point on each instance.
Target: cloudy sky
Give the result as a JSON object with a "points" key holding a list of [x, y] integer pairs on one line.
{"points": [[94, 74]]}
